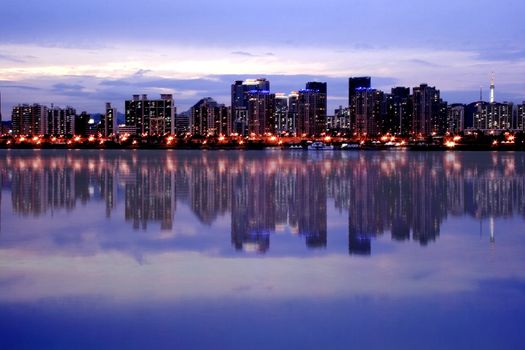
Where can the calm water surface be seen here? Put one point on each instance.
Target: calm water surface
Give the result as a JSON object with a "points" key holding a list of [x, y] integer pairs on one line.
{"points": [[263, 249]]}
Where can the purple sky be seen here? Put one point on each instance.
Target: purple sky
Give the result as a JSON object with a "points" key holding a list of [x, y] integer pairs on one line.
{"points": [[84, 53]]}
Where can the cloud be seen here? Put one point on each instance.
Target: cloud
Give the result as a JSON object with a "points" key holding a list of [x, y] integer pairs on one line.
{"points": [[249, 54], [68, 87], [424, 63], [141, 72], [16, 85], [11, 58], [243, 53], [501, 54]]}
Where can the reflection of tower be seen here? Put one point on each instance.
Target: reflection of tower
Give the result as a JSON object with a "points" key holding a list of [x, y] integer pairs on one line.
{"points": [[253, 209], [311, 206], [492, 90], [428, 202], [34, 191], [492, 239], [209, 191], [150, 197], [108, 189]]}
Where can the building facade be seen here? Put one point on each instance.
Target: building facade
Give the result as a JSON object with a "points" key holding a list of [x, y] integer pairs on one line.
{"points": [[455, 118], [281, 115], [494, 116], [210, 118], [521, 117], [109, 121], [61, 121], [261, 112], [369, 109], [398, 114], [29, 119], [428, 111], [357, 82], [239, 101], [311, 116], [151, 117]]}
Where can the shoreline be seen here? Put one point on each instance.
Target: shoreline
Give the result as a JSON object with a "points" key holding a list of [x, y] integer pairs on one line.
{"points": [[337, 148]]}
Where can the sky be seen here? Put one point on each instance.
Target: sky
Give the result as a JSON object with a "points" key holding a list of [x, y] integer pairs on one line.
{"points": [[86, 53]]}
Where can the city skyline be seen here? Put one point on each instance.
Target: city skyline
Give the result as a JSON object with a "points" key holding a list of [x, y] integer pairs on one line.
{"points": [[97, 52]]}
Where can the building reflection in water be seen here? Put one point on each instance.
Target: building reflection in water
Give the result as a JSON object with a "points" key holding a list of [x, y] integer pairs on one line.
{"points": [[408, 195]]}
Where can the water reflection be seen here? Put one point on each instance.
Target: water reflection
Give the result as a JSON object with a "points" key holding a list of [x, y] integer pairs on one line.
{"points": [[408, 195]]}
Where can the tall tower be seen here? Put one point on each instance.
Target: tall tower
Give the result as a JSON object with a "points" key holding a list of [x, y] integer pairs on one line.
{"points": [[492, 88]]}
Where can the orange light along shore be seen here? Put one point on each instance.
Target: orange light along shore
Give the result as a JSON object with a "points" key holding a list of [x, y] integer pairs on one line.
{"points": [[475, 140]]}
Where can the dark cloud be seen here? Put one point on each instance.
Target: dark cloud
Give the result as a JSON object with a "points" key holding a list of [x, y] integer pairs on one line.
{"points": [[16, 85], [243, 53], [68, 87], [141, 72], [11, 58]]}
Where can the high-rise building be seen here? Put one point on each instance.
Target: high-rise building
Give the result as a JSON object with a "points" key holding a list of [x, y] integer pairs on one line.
{"points": [[29, 119], [494, 116], [357, 82], [369, 109], [521, 117], [210, 118], [340, 121], [293, 110], [398, 115], [261, 107], [61, 121], [239, 104], [182, 122], [311, 117], [456, 118], [82, 126], [1, 129], [428, 111], [151, 117], [315, 85], [109, 121], [281, 114]]}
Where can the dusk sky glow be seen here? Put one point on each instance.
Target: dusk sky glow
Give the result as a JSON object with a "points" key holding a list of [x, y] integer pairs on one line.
{"points": [[86, 53]]}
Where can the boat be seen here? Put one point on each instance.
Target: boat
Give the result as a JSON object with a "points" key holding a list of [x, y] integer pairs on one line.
{"points": [[350, 146], [296, 147], [320, 146]]}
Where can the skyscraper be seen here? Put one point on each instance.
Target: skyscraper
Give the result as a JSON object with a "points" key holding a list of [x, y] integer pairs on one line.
{"points": [[261, 106], [83, 126], [61, 121], [209, 118], [109, 121], [398, 115], [494, 116], [456, 118], [311, 117], [239, 105], [370, 108], [357, 82], [281, 113], [340, 121], [428, 111], [521, 117], [151, 117], [1, 128], [293, 110], [29, 119]]}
